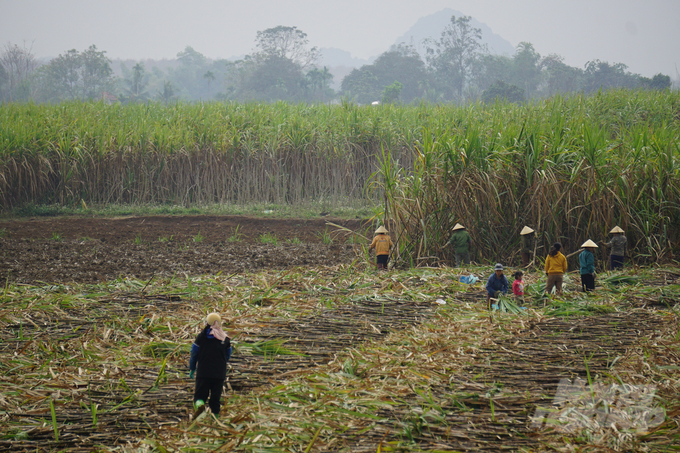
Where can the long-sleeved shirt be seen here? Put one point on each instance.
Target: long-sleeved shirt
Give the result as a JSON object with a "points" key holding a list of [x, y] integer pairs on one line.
{"points": [[460, 240], [210, 355], [382, 244], [587, 262], [528, 243], [497, 284], [618, 245], [556, 264]]}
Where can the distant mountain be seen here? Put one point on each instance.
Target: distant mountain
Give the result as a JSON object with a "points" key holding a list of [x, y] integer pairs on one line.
{"points": [[340, 62], [331, 56], [432, 26]]}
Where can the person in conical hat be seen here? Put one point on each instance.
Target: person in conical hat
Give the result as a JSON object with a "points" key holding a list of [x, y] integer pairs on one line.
{"points": [[586, 261], [460, 240], [618, 248], [527, 245], [209, 356], [382, 245]]}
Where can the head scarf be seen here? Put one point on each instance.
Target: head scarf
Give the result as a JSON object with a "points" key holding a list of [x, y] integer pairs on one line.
{"points": [[217, 332]]}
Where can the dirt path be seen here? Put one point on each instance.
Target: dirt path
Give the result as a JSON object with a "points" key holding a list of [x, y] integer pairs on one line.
{"points": [[62, 250]]}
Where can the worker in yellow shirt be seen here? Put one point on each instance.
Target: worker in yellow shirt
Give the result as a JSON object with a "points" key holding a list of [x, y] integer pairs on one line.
{"points": [[382, 245], [555, 267]]}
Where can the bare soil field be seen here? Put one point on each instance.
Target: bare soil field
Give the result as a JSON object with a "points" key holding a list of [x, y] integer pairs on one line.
{"points": [[88, 250]]}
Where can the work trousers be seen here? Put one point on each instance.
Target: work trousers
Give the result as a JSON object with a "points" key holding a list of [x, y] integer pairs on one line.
{"points": [[462, 258], [616, 262], [554, 281], [587, 282], [212, 387], [526, 259]]}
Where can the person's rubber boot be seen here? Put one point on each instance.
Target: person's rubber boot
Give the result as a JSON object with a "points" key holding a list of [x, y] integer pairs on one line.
{"points": [[199, 408]]}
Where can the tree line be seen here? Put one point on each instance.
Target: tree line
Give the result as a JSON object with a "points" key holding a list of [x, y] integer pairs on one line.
{"points": [[456, 68]]}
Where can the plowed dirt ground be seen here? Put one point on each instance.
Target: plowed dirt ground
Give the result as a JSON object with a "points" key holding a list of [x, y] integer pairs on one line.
{"points": [[89, 250]]}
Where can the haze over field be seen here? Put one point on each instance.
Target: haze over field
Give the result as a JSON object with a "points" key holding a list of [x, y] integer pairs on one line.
{"points": [[643, 35]]}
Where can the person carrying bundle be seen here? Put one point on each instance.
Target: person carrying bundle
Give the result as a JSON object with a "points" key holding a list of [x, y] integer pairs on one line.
{"points": [[555, 267], [586, 261], [209, 356], [496, 285], [460, 240], [382, 245]]}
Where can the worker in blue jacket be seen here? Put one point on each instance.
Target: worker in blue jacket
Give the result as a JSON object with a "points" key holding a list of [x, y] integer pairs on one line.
{"points": [[586, 262], [496, 285], [209, 356]]}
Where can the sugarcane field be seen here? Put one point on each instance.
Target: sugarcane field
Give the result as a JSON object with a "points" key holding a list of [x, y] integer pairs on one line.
{"points": [[328, 357], [391, 278]]}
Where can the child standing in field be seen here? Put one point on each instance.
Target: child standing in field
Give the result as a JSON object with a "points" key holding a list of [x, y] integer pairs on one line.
{"points": [[518, 287], [382, 245], [209, 356]]}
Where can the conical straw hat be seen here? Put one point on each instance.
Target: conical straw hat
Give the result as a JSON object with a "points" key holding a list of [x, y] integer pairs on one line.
{"points": [[616, 229], [458, 227], [381, 229], [526, 230], [589, 243], [212, 317]]}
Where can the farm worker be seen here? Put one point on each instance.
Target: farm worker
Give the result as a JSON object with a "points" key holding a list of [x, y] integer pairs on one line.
{"points": [[496, 285], [209, 356], [460, 240], [382, 245], [518, 287], [586, 260], [555, 267], [618, 245], [527, 245]]}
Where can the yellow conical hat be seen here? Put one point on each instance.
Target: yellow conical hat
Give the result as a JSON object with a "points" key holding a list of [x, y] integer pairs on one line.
{"points": [[458, 227], [212, 317], [589, 243], [526, 230], [381, 229], [616, 229]]}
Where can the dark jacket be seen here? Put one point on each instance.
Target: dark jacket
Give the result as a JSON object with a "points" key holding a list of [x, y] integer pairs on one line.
{"points": [[460, 240], [497, 284], [210, 355], [586, 261]]}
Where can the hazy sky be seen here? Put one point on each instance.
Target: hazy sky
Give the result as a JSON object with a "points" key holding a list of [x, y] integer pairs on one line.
{"points": [[644, 34]]}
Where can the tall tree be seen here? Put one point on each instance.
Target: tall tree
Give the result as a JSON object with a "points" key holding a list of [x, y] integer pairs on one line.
{"points": [[453, 56], [275, 78], [602, 75], [168, 93], [401, 63], [287, 42], [210, 77], [319, 83], [96, 72], [527, 68], [18, 63], [75, 75], [560, 77], [658, 82], [136, 90], [361, 85]]}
